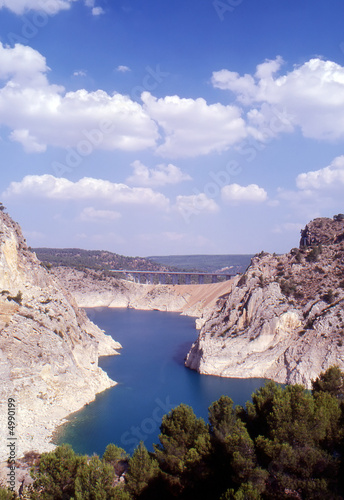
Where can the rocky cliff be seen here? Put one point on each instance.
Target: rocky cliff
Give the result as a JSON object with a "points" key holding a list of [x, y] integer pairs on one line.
{"points": [[48, 348], [92, 288], [283, 318]]}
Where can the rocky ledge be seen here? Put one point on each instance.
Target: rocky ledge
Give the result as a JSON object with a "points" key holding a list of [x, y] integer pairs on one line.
{"points": [[48, 347], [283, 318]]}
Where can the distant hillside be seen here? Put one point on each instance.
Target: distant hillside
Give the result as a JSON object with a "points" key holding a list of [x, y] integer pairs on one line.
{"points": [[93, 259], [207, 263]]}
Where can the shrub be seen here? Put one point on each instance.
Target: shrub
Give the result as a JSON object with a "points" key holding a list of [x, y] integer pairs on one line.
{"points": [[242, 280], [298, 257], [6, 493], [314, 254], [287, 287], [261, 281], [328, 297], [18, 298], [319, 270]]}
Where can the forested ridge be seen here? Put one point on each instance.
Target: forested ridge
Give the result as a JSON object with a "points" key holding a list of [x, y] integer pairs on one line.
{"points": [[285, 443], [93, 259]]}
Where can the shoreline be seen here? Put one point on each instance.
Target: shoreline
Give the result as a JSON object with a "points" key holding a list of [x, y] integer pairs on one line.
{"points": [[189, 300]]}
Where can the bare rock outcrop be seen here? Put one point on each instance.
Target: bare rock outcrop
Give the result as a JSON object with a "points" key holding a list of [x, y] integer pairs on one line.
{"points": [[283, 318], [92, 288], [48, 347]]}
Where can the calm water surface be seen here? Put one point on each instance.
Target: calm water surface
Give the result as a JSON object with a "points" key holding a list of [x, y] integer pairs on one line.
{"points": [[152, 379]]}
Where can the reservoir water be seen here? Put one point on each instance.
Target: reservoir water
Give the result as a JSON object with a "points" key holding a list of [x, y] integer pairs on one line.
{"points": [[152, 379]]}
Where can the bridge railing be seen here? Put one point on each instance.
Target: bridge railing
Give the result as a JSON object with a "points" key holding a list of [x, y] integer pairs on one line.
{"points": [[172, 277]]}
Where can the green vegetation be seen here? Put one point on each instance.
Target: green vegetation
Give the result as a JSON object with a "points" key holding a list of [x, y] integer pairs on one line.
{"points": [[205, 263], [92, 259], [104, 261], [288, 287], [6, 494], [285, 443], [313, 255]]}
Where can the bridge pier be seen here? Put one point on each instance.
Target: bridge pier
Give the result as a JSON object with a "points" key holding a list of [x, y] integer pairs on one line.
{"points": [[214, 278], [187, 279], [175, 279], [201, 279]]}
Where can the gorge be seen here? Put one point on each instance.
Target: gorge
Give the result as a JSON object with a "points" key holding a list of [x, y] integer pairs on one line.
{"points": [[282, 319]]}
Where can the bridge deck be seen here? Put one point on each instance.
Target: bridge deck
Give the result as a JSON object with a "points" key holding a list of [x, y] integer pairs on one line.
{"points": [[174, 275]]}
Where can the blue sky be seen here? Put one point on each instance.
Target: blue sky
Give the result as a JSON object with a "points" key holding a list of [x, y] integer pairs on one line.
{"points": [[173, 127]]}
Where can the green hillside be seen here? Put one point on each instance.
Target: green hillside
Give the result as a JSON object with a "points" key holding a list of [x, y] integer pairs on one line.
{"points": [[94, 259]]}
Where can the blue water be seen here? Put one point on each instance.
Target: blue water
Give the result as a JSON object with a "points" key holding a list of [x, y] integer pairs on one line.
{"points": [[152, 379]]}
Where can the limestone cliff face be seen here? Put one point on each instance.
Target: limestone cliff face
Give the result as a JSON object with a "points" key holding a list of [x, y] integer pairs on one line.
{"points": [[93, 289], [48, 348], [283, 319]]}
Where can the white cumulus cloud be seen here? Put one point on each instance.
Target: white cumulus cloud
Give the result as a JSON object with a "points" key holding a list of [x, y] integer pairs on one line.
{"points": [[159, 176], [41, 114], [96, 11], [28, 141], [318, 192], [330, 177], [22, 66], [310, 97], [80, 72], [236, 193], [123, 69], [192, 127], [87, 188], [49, 6]]}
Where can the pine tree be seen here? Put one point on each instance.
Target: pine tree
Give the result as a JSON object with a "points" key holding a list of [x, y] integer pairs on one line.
{"points": [[56, 474], [142, 470], [94, 481]]}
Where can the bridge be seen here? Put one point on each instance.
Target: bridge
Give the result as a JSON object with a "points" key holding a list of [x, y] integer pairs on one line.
{"points": [[175, 276]]}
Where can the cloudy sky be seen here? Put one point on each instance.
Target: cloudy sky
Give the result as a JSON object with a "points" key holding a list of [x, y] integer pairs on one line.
{"points": [[172, 127]]}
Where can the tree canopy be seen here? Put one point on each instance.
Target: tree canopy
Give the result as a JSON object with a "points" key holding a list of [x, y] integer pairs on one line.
{"points": [[286, 443]]}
